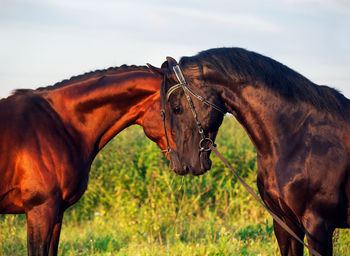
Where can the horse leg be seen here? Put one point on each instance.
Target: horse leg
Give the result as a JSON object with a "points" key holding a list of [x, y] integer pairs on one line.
{"points": [[55, 236], [288, 244], [41, 220], [319, 235]]}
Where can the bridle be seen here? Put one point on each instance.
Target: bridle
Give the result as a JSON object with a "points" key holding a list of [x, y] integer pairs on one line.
{"points": [[211, 146], [205, 143]]}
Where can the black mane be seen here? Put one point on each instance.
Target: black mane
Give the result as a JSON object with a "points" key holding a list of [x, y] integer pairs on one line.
{"points": [[88, 75], [237, 65]]}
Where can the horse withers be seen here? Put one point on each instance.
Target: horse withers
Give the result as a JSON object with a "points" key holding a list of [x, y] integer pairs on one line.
{"points": [[50, 136], [300, 131]]}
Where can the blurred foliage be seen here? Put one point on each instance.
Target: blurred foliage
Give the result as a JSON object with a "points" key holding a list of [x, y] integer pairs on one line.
{"points": [[135, 205]]}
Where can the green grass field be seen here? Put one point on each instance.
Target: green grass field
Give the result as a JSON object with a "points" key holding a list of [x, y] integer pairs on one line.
{"points": [[135, 206]]}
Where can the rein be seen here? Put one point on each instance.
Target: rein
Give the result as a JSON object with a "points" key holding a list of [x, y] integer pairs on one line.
{"points": [[211, 146], [250, 190], [205, 142]]}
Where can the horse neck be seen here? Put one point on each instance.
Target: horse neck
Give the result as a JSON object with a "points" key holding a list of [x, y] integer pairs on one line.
{"points": [[99, 108], [267, 118]]}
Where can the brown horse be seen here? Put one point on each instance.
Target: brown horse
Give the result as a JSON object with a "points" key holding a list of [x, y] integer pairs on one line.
{"points": [[300, 131], [50, 136]]}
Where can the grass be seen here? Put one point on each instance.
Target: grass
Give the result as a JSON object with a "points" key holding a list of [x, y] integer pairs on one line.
{"points": [[135, 206]]}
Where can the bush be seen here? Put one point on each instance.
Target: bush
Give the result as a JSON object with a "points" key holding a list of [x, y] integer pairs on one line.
{"points": [[135, 205]]}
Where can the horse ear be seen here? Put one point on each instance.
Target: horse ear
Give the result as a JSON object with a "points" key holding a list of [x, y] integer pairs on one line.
{"points": [[171, 61], [165, 65], [157, 71]]}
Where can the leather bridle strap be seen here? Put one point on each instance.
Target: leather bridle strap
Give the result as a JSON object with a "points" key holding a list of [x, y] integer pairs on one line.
{"points": [[166, 151], [183, 84], [250, 190], [205, 141]]}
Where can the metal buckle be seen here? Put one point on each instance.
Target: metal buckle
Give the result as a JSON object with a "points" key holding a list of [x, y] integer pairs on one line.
{"points": [[206, 143], [206, 147]]}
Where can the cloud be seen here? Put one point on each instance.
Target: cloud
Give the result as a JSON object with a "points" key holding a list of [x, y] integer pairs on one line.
{"points": [[158, 14], [339, 6], [241, 21], [58, 38]]}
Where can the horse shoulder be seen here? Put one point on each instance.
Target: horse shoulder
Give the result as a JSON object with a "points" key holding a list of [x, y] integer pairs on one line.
{"points": [[43, 160]]}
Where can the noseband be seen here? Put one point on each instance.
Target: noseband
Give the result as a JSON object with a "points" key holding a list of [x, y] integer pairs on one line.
{"points": [[205, 143], [211, 146]]}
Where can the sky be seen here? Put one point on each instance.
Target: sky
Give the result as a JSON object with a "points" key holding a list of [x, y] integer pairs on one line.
{"points": [[45, 41]]}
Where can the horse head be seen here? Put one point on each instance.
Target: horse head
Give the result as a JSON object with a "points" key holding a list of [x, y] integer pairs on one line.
{"points": [[193, 113]]}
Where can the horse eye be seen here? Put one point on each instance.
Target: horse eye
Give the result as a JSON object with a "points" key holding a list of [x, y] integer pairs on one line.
{"points": [[177, 110]]}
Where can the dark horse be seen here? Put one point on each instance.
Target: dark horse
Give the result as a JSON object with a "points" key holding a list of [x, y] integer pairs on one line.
{"points": [[50, 136], [300, 131]]}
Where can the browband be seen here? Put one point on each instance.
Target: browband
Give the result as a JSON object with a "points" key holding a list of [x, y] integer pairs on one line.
{"points": [[183, 84]]}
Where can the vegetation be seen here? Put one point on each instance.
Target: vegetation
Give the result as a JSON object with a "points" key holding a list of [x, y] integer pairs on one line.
{"points": [[135, 206]]}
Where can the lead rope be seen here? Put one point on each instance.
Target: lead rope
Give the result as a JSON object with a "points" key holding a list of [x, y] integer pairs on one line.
{"points": [[212, 147], [250, 190]]}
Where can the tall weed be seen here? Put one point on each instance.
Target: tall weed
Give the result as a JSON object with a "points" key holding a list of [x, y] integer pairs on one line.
{"points": [[135, 205]]}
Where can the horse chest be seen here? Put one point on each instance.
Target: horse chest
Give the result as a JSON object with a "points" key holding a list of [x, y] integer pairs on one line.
{"points": [[281, 191], [73, 184]]}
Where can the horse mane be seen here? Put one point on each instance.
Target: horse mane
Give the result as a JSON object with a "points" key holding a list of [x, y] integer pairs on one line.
{"points": [[85, 76], [237, 65]]}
